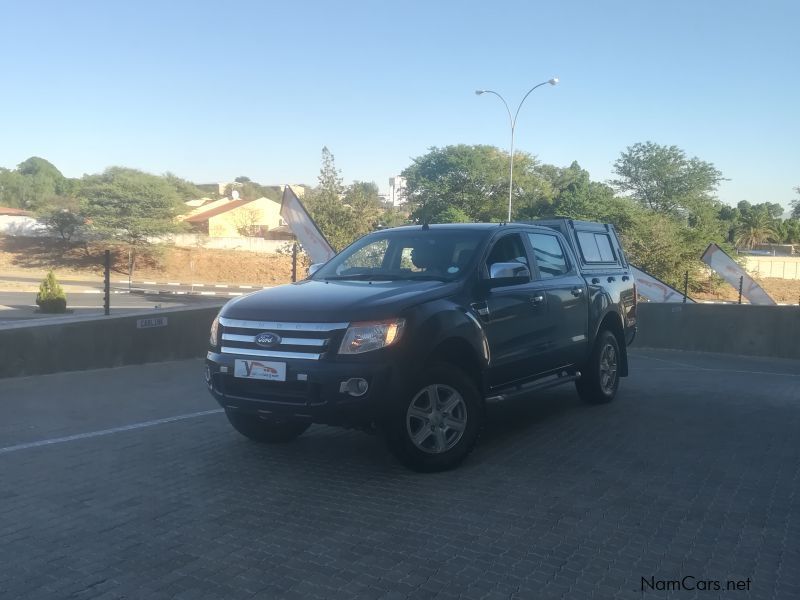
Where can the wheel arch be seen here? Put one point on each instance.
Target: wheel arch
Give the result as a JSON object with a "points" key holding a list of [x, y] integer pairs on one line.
{"points": [[460, 353], [612, 322]]}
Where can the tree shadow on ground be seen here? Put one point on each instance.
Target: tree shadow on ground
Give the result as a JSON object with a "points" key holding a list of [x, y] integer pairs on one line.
{"points": [[48, 253]]}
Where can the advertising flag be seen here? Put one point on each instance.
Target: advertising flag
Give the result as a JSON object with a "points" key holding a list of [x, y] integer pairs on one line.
{"points": [[303, 226], [654, 289], [716, 258]]}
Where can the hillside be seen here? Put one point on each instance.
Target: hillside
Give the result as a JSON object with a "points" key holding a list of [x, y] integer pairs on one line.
{"points": [[33, 257]]}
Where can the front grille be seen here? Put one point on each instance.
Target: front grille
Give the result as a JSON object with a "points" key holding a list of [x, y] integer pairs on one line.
{"points": [[304, 341]]}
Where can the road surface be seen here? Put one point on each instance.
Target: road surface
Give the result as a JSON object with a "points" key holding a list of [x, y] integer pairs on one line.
{"points": [[129, 483]]}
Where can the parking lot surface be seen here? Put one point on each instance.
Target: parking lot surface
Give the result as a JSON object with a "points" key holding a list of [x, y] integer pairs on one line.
{"points": [[129, 483]]}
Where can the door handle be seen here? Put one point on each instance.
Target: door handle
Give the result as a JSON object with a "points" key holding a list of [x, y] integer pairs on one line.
{"points": [[482, 308], [577, 291], [537, 299]]}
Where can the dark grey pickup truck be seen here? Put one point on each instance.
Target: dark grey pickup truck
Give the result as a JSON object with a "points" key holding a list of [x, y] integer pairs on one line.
{"points": [[411, 331]]}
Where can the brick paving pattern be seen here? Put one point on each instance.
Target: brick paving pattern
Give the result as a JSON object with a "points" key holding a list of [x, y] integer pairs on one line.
{"points": [[693, 471]]}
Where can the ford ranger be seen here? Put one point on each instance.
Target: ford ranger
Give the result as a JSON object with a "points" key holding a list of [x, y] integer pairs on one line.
{"points": [[411, 331]]}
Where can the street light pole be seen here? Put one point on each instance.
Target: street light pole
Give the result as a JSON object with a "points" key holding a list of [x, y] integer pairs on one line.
{"points": [[513, 121]]}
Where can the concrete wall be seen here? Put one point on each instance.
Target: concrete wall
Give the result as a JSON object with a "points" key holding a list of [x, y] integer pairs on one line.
{"points": [[782, 267], [729, 328], [247, 244], [98, 342]]}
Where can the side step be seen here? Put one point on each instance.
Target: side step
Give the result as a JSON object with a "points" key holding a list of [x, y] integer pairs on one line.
{"points": [[533, 386]]}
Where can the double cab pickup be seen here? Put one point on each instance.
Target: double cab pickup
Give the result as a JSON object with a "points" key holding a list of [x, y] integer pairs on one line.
{"points": [[411, 331]]}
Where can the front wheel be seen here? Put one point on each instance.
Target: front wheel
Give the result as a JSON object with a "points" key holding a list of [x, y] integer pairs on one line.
{"points": [[600, 379], [437, 422], [265, 430]]}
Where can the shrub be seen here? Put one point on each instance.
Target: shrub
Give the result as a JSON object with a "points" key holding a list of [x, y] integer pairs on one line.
{"points": [[51, 298]]}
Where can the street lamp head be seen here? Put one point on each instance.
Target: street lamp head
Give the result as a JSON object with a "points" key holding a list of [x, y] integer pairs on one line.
{"points": [[553, 81], [479, 92]]}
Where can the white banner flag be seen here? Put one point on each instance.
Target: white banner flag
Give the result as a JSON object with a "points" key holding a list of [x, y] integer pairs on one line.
{"points": [[303, 226], [716, 258], [654, 289]]}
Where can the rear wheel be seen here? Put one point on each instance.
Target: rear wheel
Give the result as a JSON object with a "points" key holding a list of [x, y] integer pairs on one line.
{"points": [[600, 379], [263, 429], [437, 422]]}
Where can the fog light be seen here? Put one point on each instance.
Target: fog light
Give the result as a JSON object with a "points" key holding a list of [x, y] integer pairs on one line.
{"points": [[355, 386]]}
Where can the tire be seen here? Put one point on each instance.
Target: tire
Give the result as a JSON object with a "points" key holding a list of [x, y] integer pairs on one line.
{"points": [[600, 378], [264, 430], [453, 424]]}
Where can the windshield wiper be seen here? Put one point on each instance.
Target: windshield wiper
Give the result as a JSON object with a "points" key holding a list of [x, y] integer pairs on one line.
{"points": [[423, 277], [362, 277]]}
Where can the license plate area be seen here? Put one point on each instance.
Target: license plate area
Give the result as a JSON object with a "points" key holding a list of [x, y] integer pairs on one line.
{"points": [[259, 369]]}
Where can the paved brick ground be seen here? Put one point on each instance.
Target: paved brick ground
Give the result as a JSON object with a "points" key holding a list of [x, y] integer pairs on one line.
{"points": [[693, 471]]}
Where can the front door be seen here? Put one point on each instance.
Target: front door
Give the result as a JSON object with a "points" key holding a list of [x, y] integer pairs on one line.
{"points": [[514, 318]]}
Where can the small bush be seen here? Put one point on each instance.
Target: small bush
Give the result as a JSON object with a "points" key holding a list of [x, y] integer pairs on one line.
{"points": [[51, 298]]}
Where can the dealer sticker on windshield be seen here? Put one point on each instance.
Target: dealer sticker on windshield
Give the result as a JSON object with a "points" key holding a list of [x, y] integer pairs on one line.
{"points": [[260, 369]]}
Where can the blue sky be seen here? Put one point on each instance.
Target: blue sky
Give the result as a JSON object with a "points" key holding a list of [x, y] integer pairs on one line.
{"points": [[213, 90]]}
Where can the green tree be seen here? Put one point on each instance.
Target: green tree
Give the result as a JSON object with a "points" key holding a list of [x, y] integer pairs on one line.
{"points": [[330, 179], [51, 297], [474, 180], [756, 226], [11, 189], [62, 217], [186, 190], [788, 231], [453, 214], [572, 194], [394, 216], [365, 207], [44, 181], [662, 245], [665, 180], [796, 205], [130, 206], [326, 207], [33, 185]]}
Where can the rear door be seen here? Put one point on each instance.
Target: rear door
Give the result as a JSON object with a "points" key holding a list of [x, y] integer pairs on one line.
{"points": [[565, 289]]}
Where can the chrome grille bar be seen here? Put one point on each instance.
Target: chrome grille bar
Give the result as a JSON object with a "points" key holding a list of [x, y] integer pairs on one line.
{"points": [[269, 353], [279, 326], [285, 341]]}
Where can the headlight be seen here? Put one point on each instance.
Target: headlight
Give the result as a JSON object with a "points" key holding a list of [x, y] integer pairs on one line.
{"points": [[212, 338], [371, 335]]}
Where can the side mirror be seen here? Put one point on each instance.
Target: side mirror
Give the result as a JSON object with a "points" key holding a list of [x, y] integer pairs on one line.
{"points": [[314, 268], [509, 269], [508, 273]]}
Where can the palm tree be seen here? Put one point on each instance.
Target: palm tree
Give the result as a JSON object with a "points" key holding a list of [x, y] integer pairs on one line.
{"points": [[755, 227]]}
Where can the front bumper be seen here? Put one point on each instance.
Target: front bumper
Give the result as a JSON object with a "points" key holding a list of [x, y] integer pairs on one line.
{"points": [[311, 391]]}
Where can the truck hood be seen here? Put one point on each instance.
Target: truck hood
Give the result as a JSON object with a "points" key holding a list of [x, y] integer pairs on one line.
{"points": [[335, 301]]}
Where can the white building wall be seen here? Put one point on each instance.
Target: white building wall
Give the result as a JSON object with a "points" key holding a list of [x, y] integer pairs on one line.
{"points": [[21, 226]]}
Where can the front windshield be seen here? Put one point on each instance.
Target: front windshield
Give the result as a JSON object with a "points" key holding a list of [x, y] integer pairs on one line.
{"points": [[412, 254]]}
